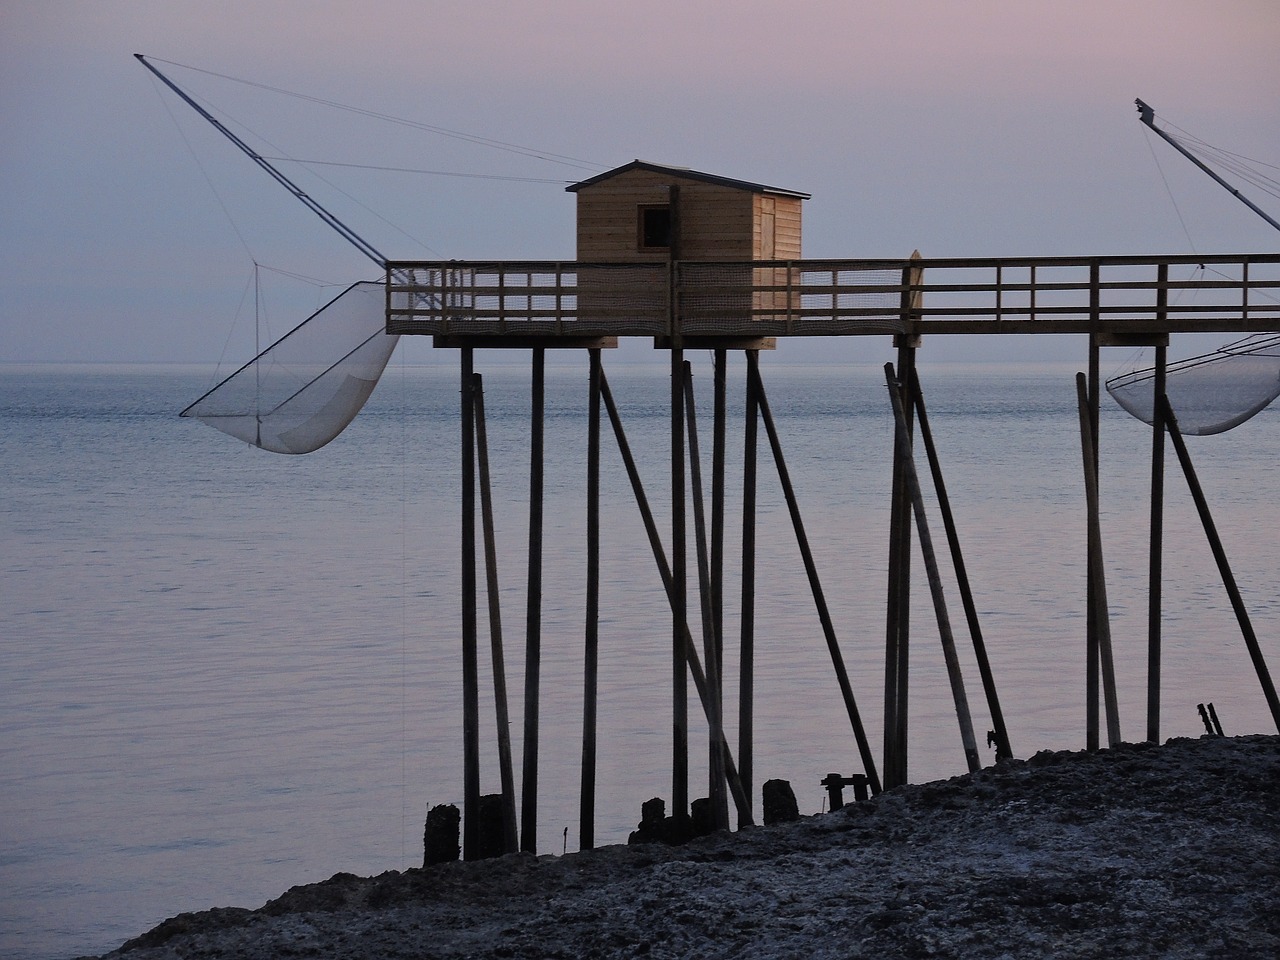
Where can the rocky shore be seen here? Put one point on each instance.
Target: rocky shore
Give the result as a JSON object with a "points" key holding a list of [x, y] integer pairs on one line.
{"points": [[1139, 851]]}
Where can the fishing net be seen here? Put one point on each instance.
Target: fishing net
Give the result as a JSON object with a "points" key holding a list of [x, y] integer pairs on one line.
{"points": [[1211, 393], [304, 389]]}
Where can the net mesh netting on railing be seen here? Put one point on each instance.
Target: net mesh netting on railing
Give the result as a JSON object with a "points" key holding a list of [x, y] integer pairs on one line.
{"points": [[1210, 393], [303, 390]]}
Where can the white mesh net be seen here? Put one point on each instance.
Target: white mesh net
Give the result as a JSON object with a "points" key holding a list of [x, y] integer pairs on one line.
{"points": [[1210, 393], [304, 389]]}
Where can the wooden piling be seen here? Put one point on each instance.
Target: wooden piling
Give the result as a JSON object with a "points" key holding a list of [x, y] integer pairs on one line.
{"points": [[746, 666], [668, 582], [587, 803], [898, 604], [1224, 566], [719, 429], [533, 635], [1099, 615], [958, 695], [1155, 568], [679, 605], [1092, 675], [470, 667], [1003, 750], [716, 786], [509, 835], [815, 585]]}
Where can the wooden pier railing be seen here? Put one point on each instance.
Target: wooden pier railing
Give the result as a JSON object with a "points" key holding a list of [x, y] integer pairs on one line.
{"points": [[789, 298]]}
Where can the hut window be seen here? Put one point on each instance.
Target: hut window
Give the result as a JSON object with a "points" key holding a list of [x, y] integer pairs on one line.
{"points": [[655, 227]]}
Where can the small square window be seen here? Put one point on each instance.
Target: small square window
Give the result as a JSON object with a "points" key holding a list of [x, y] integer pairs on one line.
{"points": [[655, 227]]}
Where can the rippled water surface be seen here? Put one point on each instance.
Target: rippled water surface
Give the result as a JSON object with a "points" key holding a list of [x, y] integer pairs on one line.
{"points": [[226, 672]]}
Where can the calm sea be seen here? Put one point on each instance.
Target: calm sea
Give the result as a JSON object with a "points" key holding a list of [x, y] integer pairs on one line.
{"points": [[226, 672]]}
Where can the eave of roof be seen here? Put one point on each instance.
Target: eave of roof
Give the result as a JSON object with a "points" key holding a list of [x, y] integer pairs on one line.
{"points": [[687, 175]]}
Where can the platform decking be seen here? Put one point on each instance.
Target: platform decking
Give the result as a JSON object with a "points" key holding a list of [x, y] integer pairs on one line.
{"points": [[1111, 296]]}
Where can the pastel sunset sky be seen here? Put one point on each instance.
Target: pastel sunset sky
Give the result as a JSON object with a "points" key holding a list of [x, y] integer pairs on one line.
{"points": [[985, 127]]}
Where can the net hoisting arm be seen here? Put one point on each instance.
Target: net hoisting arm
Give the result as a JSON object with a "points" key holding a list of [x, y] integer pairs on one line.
{"points": [[314, 206], [1147, 115]]}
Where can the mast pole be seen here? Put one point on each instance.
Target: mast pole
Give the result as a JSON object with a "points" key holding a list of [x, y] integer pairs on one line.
{"points": [[1147, 115], [347, 233]]}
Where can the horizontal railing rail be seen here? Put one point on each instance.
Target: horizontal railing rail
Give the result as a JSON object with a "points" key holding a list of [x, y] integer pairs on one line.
{"points": [[769, 298]]}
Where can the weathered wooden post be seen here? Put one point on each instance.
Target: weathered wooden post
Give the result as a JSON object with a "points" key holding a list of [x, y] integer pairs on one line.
{"points": [[533, 636], [470, 667], [1099, 615], [587, 808], [1156, 574], [746, 666], [509, 835]]}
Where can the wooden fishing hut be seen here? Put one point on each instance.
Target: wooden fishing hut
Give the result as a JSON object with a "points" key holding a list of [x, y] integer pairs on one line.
{"points": [[696, 260]]}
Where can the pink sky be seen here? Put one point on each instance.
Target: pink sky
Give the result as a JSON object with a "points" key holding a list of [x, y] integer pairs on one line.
{"points": [[975, 128]]}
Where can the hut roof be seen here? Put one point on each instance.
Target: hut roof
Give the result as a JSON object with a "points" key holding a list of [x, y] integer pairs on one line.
{"points": [[688, 175]]}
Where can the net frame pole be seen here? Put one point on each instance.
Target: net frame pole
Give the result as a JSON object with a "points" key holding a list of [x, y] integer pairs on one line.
{"points": [[510, 841], [533, 617]]}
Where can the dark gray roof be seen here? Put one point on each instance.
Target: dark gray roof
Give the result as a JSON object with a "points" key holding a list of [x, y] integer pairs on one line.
{"points": [[688, 175]]}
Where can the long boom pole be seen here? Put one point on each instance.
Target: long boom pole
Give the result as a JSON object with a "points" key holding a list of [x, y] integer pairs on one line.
{"points": [[1148, 117], [347, 233]]}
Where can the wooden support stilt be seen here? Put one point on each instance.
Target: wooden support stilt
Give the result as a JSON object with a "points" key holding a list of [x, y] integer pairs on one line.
{"points": [[679, 611], [958, 695], [716, 786], [587, 806], [1224, 566], [1092, 586], [509, 835], [1099, 614], [746, 666], [898, 605], [668, 582], [533, 635], [470, 667], [1156, 575], [719, 429], [1003, 750], [815, 586]]}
